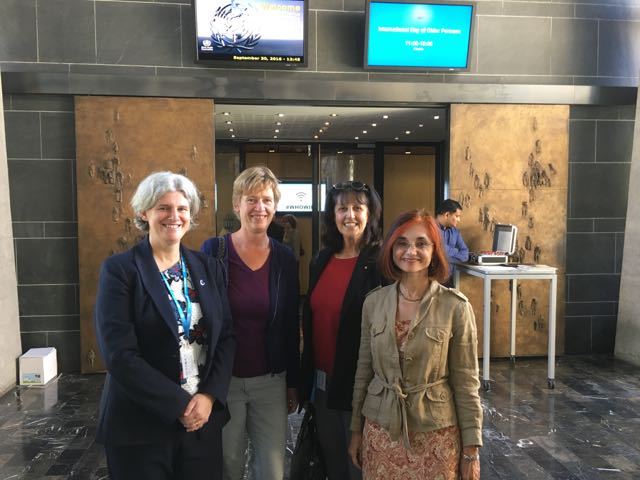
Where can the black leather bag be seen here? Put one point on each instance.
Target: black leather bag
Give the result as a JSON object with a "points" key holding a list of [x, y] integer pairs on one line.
{"points": [[306, 462]]}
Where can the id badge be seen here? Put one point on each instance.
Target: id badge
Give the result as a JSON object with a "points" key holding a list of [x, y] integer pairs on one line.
{"points": [[321, 380], [188, 360]]}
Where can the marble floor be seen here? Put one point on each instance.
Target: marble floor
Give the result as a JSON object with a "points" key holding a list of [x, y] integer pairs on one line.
{"points": [[588, 427]]}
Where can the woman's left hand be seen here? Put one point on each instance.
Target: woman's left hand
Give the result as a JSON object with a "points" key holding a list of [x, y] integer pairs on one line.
{"points": [[292, 400], [470, 468], [197, 412]]}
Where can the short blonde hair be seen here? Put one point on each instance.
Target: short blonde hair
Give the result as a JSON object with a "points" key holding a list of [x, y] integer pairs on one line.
{"points": [[253, 179]]}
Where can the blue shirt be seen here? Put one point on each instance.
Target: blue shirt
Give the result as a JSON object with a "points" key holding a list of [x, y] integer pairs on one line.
{"points": [[454, 246]]}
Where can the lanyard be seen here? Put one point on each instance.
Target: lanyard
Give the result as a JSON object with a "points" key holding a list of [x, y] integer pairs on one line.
{"points": [[185, 316]]}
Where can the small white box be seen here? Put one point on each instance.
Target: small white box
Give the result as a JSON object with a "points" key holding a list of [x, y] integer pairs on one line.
{"points": [[38, 366]]}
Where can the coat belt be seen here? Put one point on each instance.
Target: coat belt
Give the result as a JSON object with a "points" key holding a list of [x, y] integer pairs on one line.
{"points": [[401, 427]]}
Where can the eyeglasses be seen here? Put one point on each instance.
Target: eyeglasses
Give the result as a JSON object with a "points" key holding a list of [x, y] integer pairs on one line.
{"points": [[355, 186], [404, 245]]}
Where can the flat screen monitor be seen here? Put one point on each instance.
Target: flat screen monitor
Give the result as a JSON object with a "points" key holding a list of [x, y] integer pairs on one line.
{"points": [[253, 33], [296, 197], [418, 34], [504, 238]]}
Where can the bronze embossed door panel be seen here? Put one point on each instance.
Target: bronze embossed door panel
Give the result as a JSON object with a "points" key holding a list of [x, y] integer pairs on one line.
{"points": [[509, 164], [119, 141]]}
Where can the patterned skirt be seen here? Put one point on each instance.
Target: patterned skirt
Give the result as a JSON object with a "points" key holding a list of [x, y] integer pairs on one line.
{"points": [[434, 455]]}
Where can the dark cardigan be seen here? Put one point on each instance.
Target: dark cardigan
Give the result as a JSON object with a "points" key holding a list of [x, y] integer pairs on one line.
{"points": [[366, 276]]}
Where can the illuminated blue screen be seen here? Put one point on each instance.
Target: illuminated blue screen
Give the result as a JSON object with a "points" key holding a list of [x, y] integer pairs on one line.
{"points": [[418, 35]]}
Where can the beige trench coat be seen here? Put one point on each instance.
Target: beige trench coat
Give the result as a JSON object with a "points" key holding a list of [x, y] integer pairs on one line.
{"points": [[438, 384]]}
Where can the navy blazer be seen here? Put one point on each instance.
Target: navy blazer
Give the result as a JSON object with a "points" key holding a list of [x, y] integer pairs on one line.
{"points": [[366, 276], [137, 334]]}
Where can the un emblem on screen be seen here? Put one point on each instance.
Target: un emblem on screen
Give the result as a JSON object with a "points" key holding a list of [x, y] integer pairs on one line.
{"points": [[235, 27]]}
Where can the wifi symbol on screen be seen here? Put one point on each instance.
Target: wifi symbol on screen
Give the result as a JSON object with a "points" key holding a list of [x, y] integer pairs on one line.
{"points": [[301, 195]]}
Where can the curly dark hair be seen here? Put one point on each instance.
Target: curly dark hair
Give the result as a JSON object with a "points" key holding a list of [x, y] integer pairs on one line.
{"points": [[365, 195]]}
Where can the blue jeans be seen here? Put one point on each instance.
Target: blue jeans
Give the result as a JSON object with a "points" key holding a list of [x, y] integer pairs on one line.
{"points": [[258, 408]]}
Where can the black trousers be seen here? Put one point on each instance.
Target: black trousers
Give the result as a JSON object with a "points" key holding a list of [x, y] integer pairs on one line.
{"points": [[187, 456]]}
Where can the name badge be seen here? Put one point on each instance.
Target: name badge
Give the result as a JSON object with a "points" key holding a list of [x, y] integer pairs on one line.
{"points": [[188, 360], [321, 380]]}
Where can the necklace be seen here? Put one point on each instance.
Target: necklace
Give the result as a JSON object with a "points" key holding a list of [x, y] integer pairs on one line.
{"points": [[406, 297]]}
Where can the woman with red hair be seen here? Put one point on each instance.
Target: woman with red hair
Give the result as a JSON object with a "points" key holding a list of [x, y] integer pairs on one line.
{"points": [[417, 379]]}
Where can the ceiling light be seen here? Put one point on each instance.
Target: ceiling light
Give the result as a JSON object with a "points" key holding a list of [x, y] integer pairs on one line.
{"points": [[356, 138], [272, 150], [364, 131], [333, 115], [231, 129], [385, 116], [226, 114], [408, 132], [278, 123], [327, 123], [396, 138], [436, 117], [233, 136], [315, 136], [281, 114], [420, 125], [275, 136], [228, 122], [277, 130], [339, 152], [320, 130], [408, 152], [374, 124]]}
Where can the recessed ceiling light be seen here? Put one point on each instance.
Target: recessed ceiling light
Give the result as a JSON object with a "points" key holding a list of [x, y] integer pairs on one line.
{"points": [[356, 138], [226, 114], [327, 123], [374, 124], [275, 136], [272, 150], [228, 122], [396, 138], [278, 123], [385, 116], [277, 130], [233, 136], [231, 129], [281, 114], [408, 152], [339, 152], [320, 130], [364, 131], [408, 132], [315, 136], [333, 115], [420, 125], [436, 117]]}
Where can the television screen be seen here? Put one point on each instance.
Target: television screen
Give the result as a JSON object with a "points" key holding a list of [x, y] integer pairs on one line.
{"points": [[296, 197], [417, 35], [252, 32]]}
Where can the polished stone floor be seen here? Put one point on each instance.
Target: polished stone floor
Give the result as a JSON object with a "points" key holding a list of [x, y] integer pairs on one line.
{"points": [[588, 427]]}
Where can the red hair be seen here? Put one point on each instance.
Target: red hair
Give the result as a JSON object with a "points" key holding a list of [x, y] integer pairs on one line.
{"points": [[438, 268]]}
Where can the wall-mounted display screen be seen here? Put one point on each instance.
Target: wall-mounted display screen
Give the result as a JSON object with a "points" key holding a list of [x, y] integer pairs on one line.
{"points": [[252, 32], [404, 34], [296, 197]]}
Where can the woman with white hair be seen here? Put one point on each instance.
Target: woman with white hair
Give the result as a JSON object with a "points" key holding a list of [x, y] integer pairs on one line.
{"points": [[164, 330]]}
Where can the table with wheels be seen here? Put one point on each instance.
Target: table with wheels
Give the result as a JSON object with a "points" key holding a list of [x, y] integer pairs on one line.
{"points": [[513, 273]]}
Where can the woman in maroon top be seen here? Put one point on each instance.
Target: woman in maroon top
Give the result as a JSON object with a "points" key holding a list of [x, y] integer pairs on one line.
{"points": [[340, 277]]}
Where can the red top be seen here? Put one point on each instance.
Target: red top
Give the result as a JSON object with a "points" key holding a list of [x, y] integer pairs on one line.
{"points": [[326, 303]]}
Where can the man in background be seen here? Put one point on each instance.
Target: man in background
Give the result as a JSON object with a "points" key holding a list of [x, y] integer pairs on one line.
{"points": [[448, 215]]}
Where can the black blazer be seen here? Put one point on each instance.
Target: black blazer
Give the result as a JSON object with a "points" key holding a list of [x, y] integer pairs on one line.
{"points": [[137, 335], [366, 276]]}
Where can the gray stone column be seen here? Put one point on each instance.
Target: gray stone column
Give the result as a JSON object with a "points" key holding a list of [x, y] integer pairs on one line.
{"points": [[628, 327], [10, 347]]}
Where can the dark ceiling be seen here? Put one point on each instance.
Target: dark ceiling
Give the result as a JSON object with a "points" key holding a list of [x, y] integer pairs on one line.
{"points": [[259, 123]]}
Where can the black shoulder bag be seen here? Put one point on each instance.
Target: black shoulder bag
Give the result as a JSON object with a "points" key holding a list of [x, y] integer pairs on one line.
{"points": [[306, 462]]}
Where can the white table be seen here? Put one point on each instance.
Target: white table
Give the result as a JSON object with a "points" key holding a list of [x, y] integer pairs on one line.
{"points": [[512, 273]]}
